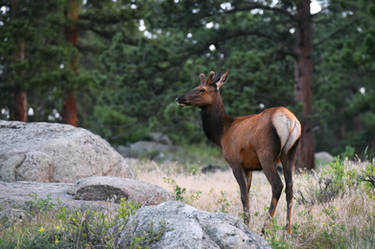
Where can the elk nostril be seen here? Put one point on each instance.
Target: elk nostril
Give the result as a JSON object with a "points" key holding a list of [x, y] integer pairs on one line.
{"points": [[180, 99]]}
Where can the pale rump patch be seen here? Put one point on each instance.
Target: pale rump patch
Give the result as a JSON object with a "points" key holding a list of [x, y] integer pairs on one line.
{"points": [[293, 136], [281, 124], [287, 127]]}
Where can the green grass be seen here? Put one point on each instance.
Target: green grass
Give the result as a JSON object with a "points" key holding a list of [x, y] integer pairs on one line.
{"points": [[50, 228], [189, 158]]}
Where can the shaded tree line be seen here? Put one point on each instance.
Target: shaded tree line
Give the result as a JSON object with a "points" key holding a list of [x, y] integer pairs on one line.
{"points": [[115, 67]]}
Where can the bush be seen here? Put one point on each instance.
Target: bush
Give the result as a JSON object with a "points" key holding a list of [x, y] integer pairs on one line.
{"points": [[369, 180], [325, 185]]}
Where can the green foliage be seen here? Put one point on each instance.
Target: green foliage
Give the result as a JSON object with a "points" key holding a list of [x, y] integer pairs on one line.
{"points": [[181, 193], [223, 202], [272, 237], [329, 183], [127, 78], [127, 208], [193, 169], [150, 235], [369, 180], [334, 181], [69, 228], [178, 191], [39, 205], [349, 152]]}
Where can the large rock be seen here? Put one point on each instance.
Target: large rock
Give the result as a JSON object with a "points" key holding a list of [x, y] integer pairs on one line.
{"points": [[102, 188], [51, 152], [21, 193], [173, 225]]}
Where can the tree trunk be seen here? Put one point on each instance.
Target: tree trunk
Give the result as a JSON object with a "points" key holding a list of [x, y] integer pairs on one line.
{"points": [[304, 78], [18, 109], [69, 114], [70, 108]]}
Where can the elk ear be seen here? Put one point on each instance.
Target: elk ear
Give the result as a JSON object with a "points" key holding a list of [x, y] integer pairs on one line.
{"points": [[203, 79], [222, 80], [209, 80]]}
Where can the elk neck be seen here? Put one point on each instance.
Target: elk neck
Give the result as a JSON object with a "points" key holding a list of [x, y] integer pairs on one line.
{"points": [[215, 120]]}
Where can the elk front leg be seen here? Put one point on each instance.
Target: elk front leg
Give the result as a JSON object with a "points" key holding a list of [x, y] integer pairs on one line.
{"points": [[244, 181]]}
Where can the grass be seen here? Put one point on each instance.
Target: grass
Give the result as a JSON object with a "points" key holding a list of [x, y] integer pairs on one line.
{"points": [[333, 207], [188, 157], [51, 228]]}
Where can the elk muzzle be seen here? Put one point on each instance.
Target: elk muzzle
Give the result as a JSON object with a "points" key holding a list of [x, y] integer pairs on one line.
{"points": [[181, 101]]}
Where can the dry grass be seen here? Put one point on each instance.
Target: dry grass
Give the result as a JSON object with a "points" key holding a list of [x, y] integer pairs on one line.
{"points": [[348, 221]]}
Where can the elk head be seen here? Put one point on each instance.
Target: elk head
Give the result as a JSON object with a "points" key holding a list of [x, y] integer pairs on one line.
{"points": [[204, 94]]}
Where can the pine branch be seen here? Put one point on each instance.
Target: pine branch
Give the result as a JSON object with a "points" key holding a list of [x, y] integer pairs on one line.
{"points": [[339, 30], [224, 35], [255, 5]]}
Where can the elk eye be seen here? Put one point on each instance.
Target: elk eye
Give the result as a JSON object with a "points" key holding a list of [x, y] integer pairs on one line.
{"points": [[202, 90]]}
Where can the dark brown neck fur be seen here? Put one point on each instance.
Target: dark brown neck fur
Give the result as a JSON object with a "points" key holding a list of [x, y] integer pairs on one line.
{"points": [[215, 120]]}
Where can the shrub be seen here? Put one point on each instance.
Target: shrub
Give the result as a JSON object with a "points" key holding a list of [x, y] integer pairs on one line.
{"points": [[180, 193], [39, 205], [325, 185], [369, 180], [223, 202], [272, 234]]}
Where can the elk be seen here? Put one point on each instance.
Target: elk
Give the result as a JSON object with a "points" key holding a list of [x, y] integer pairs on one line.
{"points": [[248, 143]]}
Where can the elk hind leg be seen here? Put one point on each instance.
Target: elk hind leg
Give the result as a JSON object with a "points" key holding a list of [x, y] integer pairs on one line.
{"points": [[269, 168], [288, 161]]}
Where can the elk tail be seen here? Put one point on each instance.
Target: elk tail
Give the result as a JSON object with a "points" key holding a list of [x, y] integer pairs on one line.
{"points": [[288, 129]]}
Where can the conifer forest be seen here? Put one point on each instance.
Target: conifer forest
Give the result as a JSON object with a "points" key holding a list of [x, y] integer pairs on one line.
{"points": [[115, 67]]}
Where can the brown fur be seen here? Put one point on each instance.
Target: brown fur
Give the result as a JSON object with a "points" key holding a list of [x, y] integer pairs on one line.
{"points": [[248, 143]]}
